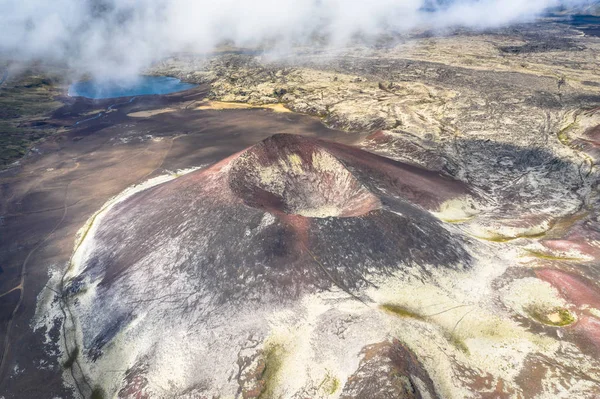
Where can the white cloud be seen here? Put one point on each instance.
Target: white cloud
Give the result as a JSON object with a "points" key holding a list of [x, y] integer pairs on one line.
{"points": [[125, 35]]}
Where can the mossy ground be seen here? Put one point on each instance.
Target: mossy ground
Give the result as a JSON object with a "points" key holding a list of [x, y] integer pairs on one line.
{"points": [[457, 342], [330, 384], [563, 135], [24, 100], [497, 237], [401, 311], [557, 317], [545, 256], [273, 355]]}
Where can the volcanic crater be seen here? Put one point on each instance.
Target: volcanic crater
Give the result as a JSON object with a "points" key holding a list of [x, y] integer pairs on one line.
{"points": [[285, 174]]}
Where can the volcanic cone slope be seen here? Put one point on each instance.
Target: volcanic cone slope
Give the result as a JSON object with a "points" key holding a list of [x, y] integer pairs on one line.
{"points": [[287, 217], [258, 220]]}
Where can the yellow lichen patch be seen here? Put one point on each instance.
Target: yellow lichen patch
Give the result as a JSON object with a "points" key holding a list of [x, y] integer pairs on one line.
{"points": [[330, 384], [268, 175], [505, 230], [404, 312], [488, 338], [273, 175], [324, 162], [539, 300], [273, 355], [562, 225], [457, 210], [555, 227], [577, 124], [92, 112], [461, 320], [557, 257], [224, 105], [498, 237], [401, 311], [457, 342], [493, 238], [538, 232], [558, 317], [295, 163], [152, 112], [457, 221], [294, 355], [563, 134]]}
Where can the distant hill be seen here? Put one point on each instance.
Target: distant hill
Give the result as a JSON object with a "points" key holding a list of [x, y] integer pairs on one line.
{"points": [[588, 8], [591, 7]]}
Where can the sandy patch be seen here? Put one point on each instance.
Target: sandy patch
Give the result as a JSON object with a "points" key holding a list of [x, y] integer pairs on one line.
{"points": [[152, 112], [222, 105]]}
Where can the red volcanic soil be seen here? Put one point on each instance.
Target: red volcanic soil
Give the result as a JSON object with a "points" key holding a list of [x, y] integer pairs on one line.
{"points": [[589, 142], [377, 137], [588, 332], [582, 293], [583, 237], [419, 186], [384, 362], [593, 134], [575, 289], [135, 383], [572, 243]]}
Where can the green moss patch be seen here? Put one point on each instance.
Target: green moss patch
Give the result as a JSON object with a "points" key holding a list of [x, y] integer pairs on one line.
{"points": [[545, 256], [25, 102], [330, 384], [557, 317], [403, 312], [273, 358], [400, 311], [563, 135], [458, 343]]}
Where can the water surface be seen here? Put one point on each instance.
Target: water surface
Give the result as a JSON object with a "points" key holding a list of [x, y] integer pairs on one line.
{"points": [[144, 85]]}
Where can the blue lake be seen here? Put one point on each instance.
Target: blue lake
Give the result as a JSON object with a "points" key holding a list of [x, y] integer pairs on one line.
{"points": [[144, 85]]}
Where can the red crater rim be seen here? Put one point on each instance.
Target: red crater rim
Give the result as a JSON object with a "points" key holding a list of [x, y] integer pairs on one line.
{"points": [[295, 175]]}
